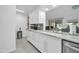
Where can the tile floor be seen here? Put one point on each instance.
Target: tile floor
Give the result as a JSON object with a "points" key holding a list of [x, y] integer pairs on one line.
{"points": [[22, 46]]}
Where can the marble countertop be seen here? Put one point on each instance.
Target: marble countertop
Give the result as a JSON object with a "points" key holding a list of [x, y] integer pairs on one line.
{"points": [[60, 35]]}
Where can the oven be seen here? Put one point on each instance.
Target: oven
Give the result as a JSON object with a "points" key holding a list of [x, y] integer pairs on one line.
{"points": [[69, 46]]}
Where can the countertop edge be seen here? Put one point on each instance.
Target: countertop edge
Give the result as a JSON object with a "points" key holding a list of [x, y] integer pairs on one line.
{"points": [[61, 36]]}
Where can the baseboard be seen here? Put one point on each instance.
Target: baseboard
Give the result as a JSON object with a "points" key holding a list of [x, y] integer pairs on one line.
{"points": [[8, 51], [12, 50]]}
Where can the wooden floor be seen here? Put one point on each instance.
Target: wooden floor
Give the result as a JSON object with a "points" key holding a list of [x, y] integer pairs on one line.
{"points": [[23, 46]]}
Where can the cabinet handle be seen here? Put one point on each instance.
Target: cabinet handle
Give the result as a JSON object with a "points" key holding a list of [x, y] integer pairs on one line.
{"points": [[74, 48]]}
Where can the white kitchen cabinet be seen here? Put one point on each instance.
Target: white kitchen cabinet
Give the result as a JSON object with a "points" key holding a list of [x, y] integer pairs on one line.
{"points": [[42, 17], [37, 17], [41, 42], [45, 43], [28, 35], [48, 44], [38, 41], [34, 17], [53, 45]]}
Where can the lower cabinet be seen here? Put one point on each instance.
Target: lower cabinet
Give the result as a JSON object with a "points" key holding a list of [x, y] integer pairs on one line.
{"points": [[45, 43], [38, 41], [53, 45]]}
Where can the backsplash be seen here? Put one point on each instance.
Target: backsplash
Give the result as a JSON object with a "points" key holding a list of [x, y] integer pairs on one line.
{"points": [[36, 26]]}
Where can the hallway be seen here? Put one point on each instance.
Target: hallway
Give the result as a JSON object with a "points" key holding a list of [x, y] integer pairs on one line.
{"points": [[23, 46]]}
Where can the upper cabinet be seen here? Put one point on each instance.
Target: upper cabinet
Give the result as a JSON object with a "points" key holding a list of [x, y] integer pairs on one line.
{"points": [[42, 16], [37, 17], [33, 17]]}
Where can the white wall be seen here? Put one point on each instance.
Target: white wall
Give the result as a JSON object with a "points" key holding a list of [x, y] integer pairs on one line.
{"points": [[62, 11], [21, 22], [7, 28]]}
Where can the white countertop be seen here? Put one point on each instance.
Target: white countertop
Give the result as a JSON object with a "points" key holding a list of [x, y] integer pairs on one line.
{"points": [[58, 35]]}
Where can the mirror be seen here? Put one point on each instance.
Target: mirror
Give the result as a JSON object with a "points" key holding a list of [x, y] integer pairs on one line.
{"points": [[55, 24], [64, 25]]}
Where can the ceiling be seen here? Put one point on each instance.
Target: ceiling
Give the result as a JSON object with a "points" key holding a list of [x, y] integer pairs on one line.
{"points": [[27, 8]]}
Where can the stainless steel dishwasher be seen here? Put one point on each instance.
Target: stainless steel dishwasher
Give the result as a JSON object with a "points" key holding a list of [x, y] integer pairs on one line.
{"points": [[69, 46]]}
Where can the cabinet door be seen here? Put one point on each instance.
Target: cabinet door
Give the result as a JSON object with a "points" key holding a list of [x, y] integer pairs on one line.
{"points": [[53, 45], [41, 42], [28, 35], [34, 18], [42, 17]]}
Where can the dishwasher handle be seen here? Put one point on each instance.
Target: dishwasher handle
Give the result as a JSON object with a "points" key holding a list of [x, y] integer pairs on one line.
{"points": [[72, 47]]}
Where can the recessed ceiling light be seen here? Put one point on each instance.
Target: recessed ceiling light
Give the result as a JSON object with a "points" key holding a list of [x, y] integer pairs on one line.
{"points": [[19, 10], [46, 9]]}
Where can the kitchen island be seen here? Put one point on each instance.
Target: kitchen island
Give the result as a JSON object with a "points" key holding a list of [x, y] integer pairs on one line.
{"points": [[49, 42]]}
